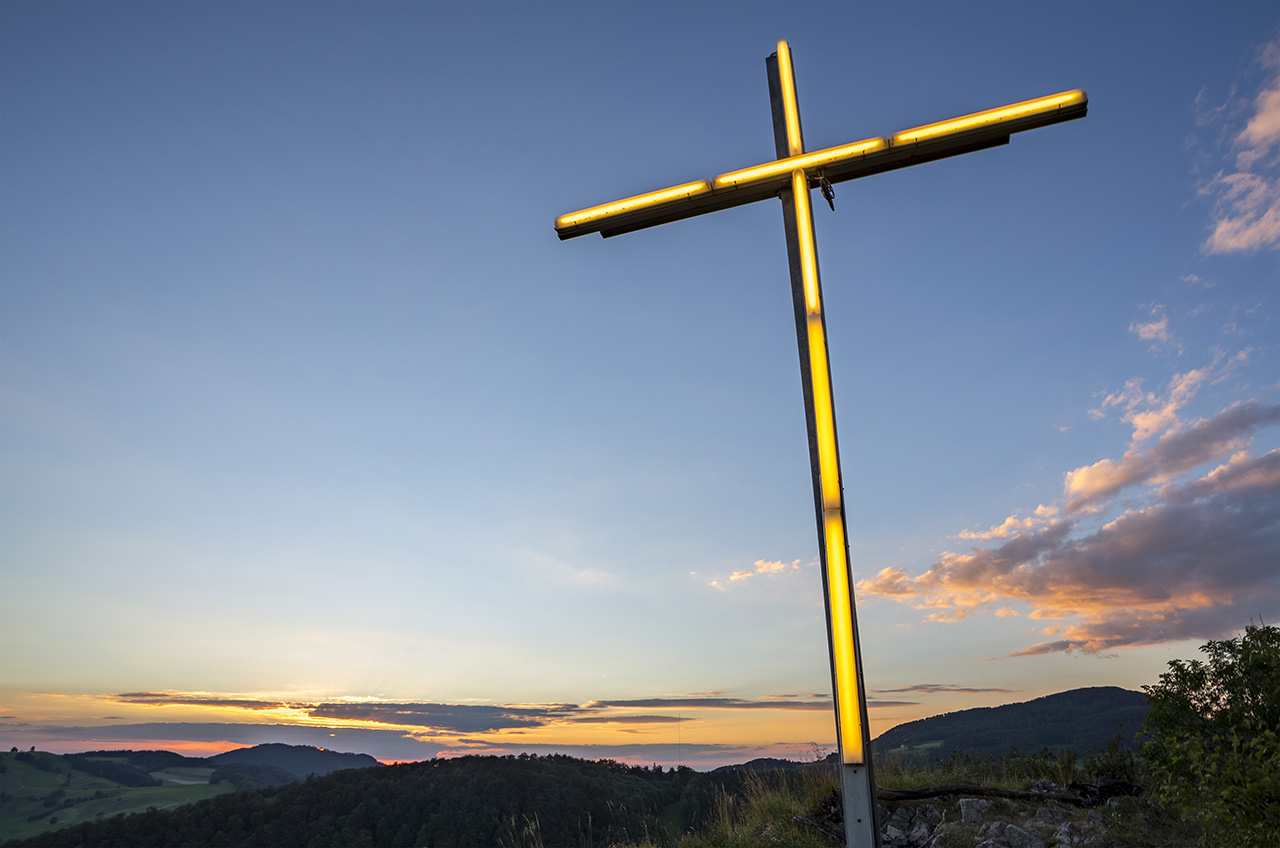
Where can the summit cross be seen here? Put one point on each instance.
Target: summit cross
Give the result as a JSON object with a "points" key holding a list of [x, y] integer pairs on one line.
{"points": [[790, 178]]}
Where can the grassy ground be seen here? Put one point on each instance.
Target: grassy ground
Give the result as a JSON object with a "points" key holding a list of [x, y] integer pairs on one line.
{"points": [[769, 810], [33, 800]]}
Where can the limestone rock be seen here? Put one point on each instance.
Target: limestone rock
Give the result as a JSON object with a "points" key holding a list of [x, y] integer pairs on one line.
{"points": [[1016, 837], [910, 826], [942, 837], [1047, 817], [993, 830], [1087, 834], [971, 810]]}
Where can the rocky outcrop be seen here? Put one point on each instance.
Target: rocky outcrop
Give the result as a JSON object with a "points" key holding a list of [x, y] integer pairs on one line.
{"points": [[983, 823]]}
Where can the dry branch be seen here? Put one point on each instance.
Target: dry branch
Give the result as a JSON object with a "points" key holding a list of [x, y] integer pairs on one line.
{"points": [[974, 789]]}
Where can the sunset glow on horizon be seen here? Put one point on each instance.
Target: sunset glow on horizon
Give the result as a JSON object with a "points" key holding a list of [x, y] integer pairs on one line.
{"points": [[312, 431]]}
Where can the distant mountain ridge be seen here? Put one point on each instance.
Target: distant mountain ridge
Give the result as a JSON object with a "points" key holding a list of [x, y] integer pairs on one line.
{"points": [[1077, 720], [298, 760]]}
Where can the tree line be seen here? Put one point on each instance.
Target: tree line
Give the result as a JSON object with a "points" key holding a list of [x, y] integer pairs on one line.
{"points": [[468, 801]]}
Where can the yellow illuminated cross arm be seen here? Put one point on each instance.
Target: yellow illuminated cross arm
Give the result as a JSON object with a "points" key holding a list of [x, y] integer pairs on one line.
{"points": [[844, 162]]}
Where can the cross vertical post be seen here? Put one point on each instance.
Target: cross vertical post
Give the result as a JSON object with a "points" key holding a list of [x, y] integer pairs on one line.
{"points": [[857, 781]]}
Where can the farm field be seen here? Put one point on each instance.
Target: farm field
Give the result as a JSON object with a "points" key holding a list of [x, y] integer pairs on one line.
{"points": [[35, 799]]}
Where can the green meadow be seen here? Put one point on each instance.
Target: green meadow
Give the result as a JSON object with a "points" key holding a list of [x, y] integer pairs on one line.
{"points": [[41, 792]]}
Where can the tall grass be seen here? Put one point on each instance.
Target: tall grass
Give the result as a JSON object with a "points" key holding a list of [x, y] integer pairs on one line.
{"points": [[768, 810]]}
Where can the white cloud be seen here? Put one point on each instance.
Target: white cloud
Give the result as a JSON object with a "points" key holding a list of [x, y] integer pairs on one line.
{"points": [[1246, 211], [1151, 413], [1156, 330], [1261, 135]]}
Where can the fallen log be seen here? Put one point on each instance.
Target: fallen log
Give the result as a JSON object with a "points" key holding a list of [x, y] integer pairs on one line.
{"points": [[974, 789]]}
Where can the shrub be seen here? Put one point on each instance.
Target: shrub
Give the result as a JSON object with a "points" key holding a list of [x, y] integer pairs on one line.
{"points": [[1212, 739]]}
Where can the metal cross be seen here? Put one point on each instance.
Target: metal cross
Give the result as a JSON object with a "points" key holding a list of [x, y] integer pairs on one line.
{"points": [[790, 178]]}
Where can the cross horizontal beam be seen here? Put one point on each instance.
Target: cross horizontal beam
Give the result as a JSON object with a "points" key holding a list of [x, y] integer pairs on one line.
{"points": [[939, 140]]}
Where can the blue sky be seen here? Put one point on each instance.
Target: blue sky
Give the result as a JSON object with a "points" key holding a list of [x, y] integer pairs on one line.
{"points": [[312, 431]]}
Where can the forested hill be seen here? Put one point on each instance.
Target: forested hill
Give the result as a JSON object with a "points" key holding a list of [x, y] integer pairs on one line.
{"points": [[469, 801], [1076, 720]]}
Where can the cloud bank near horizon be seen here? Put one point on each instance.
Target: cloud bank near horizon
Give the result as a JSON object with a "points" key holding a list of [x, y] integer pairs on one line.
{"points": [[423, 730]]}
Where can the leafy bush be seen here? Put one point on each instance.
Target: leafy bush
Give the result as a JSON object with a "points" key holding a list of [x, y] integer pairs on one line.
{"points": [[1212, 749]]}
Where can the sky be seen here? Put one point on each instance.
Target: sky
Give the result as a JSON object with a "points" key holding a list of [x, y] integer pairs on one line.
{"points": [[312, 431]]}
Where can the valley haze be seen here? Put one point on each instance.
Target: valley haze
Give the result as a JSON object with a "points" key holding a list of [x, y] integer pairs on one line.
{"points": [[312, 431]]}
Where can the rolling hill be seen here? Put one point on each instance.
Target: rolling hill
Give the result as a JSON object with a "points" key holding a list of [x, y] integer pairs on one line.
{"points": [[1078, 720], [40, 791]]}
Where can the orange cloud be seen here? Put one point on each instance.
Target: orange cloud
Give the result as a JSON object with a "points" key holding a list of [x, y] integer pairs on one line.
{"points": [[1196, 564], [171, 699], [760, 566], [954, 614], [1013, 525], [763, 567], [890, 581]]}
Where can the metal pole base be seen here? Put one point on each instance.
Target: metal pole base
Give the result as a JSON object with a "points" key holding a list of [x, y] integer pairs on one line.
{"points": [[859, 811]]}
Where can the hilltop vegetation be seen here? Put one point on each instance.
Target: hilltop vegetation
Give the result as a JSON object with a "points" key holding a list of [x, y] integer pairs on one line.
{"points": [[1213, 738]]}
